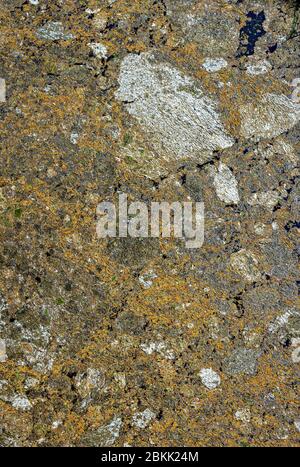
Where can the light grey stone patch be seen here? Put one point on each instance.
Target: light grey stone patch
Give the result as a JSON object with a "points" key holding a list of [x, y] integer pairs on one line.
{"points": [[297, 424], [31, 382], [213, 65], [282, 433], [74, 138], [286, 150], [105, 436], [92, 380], [296, 349], [281, 261], [98, 49], [158, 347], [2, 90], [267, 199], [181, 121], [3, 355], [279, 147], [146, 279], [243, 415], [216, 31], [3, 303], [271, 117], [259, 68], [110, 432], [210, 378], [90, 11], [260, 228], [53, 31], [21, 403], [142, 419], [245, 263], [226, 185], [3, 383], [282, 320], [242, 361], [56, 424], [38, 354], [225, 306]]}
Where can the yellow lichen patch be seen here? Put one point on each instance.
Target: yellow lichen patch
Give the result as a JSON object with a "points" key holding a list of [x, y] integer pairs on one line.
{"points": [[74, 426], [161, 301]]}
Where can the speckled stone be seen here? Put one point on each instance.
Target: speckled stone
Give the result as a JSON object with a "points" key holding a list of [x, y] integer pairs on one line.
{"points": [[144, 342]]}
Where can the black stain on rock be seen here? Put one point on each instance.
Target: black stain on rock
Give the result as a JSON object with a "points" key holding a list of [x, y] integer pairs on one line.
{"points": [[273, 48], [250, 33]]}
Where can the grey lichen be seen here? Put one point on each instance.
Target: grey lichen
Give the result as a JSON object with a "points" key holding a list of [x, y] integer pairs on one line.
{"points": [[53, 31], [180, 119], [242, 361]]}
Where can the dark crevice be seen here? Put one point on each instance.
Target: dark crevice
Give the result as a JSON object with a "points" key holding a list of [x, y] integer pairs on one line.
{"points": [[250, 33]]}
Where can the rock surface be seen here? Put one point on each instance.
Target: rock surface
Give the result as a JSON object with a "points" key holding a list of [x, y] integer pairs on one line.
{"points": [[144, 342]]}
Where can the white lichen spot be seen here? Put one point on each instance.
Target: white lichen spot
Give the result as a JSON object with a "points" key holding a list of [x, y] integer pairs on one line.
{"points": [[37, 354], [74, 138], [226, 185], [34, 2], [286, 150], [297, 424], [2, 90], [21, 403], [210, 378], [282, 433], [53, 31], [99, 50], [31, 382], [282, 320], [99, 20], [190, 20], [243, 415], [3, 383], [146, 279], [251, 337], [91, 379], [259, 68], [267, 199], [142, 419], [90, 11], [179, 118], [259, 228], [56, 424], [245, 263], [3, 355], [110, 432], [159, 347], [296, 351], [214, 64], [270, 117], [214, 328]]}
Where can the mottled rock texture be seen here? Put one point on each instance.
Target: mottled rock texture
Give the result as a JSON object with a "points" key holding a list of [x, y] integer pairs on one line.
{"points": [[144, 342]]}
